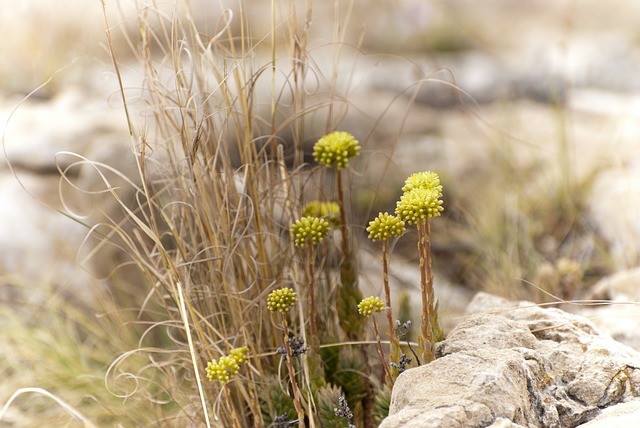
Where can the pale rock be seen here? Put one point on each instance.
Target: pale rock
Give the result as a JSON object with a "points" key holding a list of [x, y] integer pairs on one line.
{"points": [[47, 217], [612, 305], [504, 423], [623, 415], [614, 210], [518, 363]]}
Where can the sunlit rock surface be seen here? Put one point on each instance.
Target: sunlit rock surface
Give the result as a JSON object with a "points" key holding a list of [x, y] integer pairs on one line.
{"points": [[532, 366]]}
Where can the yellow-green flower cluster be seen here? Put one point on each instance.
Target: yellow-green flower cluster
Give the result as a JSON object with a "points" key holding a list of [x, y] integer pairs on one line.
{"points": [[228, 366], [421, 198], [385, 226], [240, 354], [281, 300], [423, 180], [329, 211], [335, 149], [370, 305], [309, 229], [416, 205]]}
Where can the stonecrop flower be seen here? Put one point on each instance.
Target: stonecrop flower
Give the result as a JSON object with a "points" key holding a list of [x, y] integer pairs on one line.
{"points": [[329, 211], [335, 149], [370, 305], [385, 226], [423, 180], [309, 229], [281, 300], [228, 366], [240, 354], [418, 204]]}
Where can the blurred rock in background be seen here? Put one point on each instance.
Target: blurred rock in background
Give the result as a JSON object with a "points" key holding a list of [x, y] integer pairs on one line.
{"points": [[453, 86]]}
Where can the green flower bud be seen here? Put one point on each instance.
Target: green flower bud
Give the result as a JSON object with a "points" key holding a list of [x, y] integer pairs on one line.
{"points": [[329, 211], [228, 366], [418, 204], [240, 354], [281, 300], [370, 305], [384, 227], [335, 149], [307, 229], [423, 180]]}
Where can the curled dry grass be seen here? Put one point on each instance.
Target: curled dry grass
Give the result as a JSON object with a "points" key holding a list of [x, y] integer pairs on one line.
{"points": [[216, 192]]}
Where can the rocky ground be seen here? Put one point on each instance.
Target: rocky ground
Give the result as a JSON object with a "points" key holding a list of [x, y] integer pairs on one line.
{"points": [[449, 86], [519, 365]]}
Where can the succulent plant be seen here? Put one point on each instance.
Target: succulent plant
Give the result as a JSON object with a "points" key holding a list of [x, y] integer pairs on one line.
{"points": [[335, 149]]}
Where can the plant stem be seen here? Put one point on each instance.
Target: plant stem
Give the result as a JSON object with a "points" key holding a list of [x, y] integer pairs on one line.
{"points": [[426, 283], [292, 376], [312, 306], [383, 360], [394, 343], [349, 294], [434, 322], [346, 250], [234, 416]]}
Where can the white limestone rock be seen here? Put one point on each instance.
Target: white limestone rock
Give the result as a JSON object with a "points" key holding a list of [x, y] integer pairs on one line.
{"points": [[519, 363]]}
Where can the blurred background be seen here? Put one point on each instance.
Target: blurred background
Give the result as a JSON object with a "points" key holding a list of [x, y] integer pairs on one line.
{"points": [[524, 100]]}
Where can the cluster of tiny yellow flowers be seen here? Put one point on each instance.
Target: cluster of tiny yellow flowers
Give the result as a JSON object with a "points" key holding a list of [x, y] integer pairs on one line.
{"points": [[281, 300], [335, 149], [309, 229], [385, 226], [228, 366], [370, 305], [416, 205], [423, 180], [240, 354], [330, 211]]}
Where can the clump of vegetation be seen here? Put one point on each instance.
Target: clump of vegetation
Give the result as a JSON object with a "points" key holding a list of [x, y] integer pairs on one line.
{"points": [[240, 268]]}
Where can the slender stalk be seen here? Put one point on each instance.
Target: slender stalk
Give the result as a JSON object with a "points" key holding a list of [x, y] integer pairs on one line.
{"points": [[292, 376], [234, 415], [394, 343], [434, 323], [385, 365], [312, 307], [346, 250], [426, 339]]}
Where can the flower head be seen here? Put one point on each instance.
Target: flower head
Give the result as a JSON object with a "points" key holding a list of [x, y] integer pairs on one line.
{"points": [[281, 300], [240, 354], [335, 149], [423, 180], [370, 305], [228, 366], [418, 204], [384, 227], [329, 211], [309, 229]]}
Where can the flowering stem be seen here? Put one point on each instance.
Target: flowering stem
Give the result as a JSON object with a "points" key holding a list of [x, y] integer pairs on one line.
{"points": [[427, 250], [312, 307], [385, 366], [394, 344], [348, 293], [292, 376], [426, 283], [343, 216], [234, 416], [434, 323]]}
